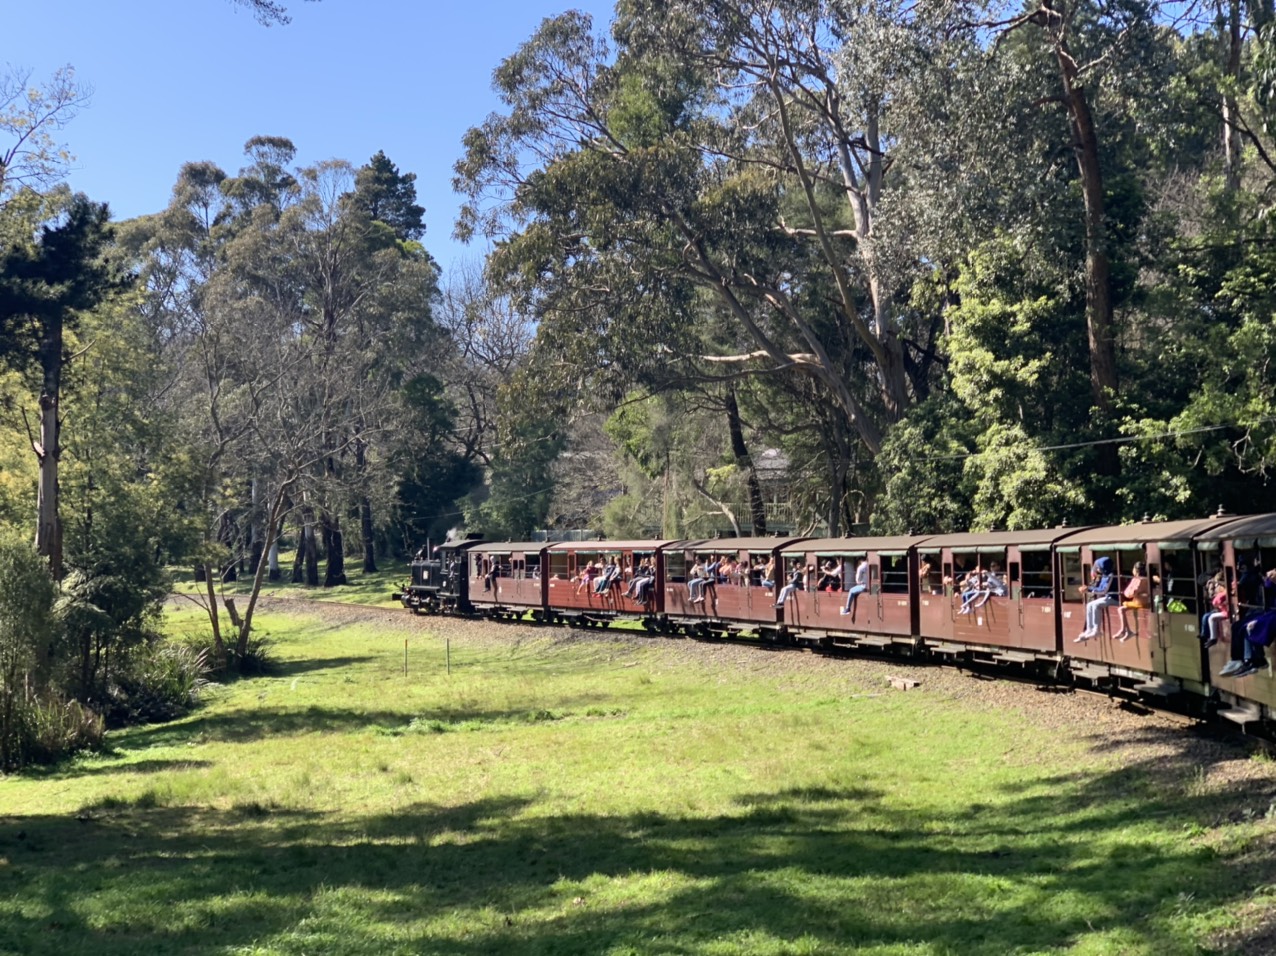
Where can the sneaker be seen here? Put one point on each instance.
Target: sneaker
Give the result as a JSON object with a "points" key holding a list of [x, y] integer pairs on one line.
{"points": [[1125, 637], [1083, 637], [843, 611], [1230, 668], [1249, 667], [1209, 642]]}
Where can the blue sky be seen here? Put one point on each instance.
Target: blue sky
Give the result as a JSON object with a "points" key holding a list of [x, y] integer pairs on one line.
{"points": [[182, 80]]}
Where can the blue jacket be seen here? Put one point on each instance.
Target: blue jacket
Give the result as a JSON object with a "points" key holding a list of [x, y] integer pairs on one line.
{"points": [[1108, 579]]}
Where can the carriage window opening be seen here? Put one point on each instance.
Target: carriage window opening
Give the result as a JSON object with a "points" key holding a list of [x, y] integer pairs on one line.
{"points": [[1125, 562], [558, 565], [676, 566], [1072, 575], [1179, 584], [894, 574], [1035, 571], [948, 577], [532, 566], [964, 563], [930, 575], [874, 579]]}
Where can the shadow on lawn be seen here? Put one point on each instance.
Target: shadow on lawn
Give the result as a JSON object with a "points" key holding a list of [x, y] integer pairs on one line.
{"points": [[259, 724], [834, 868], [308, 665]]}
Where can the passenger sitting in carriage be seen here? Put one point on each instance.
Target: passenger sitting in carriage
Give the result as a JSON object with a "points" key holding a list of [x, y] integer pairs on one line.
{"points": [[1103, 587], [643, 580], [1136, 596], [708, 578], [586, 576], [830, 576], [982, 585]]}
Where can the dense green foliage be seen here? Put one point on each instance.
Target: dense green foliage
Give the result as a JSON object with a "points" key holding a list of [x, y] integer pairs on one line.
{"points": [[865, 265], [966, 264]]}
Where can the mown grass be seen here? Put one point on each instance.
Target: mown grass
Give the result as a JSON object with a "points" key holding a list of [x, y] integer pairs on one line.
{"points": [[369, 589], [609, 798]]}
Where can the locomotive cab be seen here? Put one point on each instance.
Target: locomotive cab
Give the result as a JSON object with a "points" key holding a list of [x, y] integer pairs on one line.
{"points": [[438, 581]]}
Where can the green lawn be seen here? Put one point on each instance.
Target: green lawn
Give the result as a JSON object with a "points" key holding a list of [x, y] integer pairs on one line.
{"points": [[369, 589], [613, 797]]}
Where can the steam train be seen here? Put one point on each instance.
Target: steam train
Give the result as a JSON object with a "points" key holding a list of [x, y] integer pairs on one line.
{"points": [[912, 602]]}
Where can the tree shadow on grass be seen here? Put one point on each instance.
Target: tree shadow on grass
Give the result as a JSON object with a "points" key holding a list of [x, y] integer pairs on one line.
{"points": [[295, 667], [264, 723], [821, 869]]}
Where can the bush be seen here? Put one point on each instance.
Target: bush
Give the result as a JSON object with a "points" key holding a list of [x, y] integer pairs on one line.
{"points": [[26, 631], [50, 729], [258, 659], [159, 680]]}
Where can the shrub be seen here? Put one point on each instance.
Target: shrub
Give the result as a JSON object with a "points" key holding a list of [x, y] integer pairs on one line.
{"points": [[52, 728], [26, 602], [159, 680], [258, 659]]}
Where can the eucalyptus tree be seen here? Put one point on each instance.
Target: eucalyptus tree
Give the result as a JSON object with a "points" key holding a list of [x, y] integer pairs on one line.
{"points": [[285, 313], [31, 117], [744, 154]]}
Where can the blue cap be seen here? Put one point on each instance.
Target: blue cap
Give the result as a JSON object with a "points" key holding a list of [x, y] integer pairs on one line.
{"points": [[1103, 565]]}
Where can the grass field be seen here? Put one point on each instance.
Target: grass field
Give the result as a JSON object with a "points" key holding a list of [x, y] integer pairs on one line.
{"points": [[371, 590], [614, 796]]}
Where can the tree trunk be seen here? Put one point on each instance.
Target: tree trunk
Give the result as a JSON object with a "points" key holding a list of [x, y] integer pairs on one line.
{"points": [[272, 557], [1098, 286], [256, 543], [226, 535], [310, 546], [299, 558], [334, 546], [272, 531], [368, 531], [214, 618], [1231, 109], [744, 461], [48, 450]]}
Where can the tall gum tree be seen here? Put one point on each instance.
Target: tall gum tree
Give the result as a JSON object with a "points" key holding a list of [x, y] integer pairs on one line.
{"points": [[738, 149]]}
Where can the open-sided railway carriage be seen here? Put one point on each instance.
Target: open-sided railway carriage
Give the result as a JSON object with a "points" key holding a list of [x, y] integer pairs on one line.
{"points": [[1224, 547], [882, 615], [505, 577], [732, 602], [1019, 625], [573, 596], [913, 598], [1163, 641]]}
